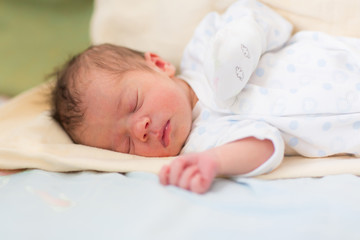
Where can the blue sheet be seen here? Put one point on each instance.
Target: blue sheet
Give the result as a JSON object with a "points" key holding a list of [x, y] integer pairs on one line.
{"points": [[35, 204]]}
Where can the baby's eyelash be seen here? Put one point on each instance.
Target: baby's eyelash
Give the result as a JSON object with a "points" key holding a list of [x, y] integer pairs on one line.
{"points": [[129, 144], [136, 102]]}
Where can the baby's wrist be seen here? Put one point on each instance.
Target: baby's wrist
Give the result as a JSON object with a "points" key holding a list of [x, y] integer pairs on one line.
{"points": [[211, 155]]}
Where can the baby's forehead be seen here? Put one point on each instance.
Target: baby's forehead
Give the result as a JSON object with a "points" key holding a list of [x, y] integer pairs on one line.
{"points": [[95, 76], [94, 80]]}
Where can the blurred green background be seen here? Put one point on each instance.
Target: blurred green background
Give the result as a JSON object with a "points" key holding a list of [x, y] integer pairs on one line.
{"points": [[38, 35]]}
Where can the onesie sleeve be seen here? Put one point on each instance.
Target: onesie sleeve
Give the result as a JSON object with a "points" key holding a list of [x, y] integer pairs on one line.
{"points": [[209, 134], [226, 48], [259, 130]]}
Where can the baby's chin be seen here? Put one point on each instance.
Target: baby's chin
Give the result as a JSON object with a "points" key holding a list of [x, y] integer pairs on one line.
{"points": [[172, 152]]}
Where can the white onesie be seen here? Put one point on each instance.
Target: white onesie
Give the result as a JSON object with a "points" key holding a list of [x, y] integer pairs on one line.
{"points": [[252, 79]]}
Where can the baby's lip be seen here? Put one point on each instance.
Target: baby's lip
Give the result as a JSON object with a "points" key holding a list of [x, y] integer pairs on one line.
{"points": [[165, 136]]}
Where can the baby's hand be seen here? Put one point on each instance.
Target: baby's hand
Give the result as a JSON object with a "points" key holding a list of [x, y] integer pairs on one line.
{"points": [[194, 172]]}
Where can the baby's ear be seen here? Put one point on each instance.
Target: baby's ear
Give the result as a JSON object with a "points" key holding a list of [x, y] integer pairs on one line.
{"points": [[160, 64]]}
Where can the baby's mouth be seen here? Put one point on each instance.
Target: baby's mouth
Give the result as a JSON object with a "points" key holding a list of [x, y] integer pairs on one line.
{"points": [[165, 138]]}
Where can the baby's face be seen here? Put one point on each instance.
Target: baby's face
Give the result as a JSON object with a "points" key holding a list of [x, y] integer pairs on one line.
{"points": [[143, 113]]}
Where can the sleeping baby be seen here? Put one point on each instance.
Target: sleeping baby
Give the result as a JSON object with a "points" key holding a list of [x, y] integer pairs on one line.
{"points": [[247, 94]]}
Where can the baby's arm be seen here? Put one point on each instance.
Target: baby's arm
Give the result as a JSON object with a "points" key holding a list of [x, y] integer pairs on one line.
{"points": [[195, 172]]}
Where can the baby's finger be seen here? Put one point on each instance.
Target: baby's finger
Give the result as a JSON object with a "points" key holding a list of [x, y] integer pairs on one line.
{"points": [[164, 175], [199, 185], [185, 178], [176, 168]]}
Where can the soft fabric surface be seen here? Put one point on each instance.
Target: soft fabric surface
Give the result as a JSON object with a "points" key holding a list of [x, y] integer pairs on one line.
{"points": [[31, 139], [165, 27], [42, 205], [338, 17]]}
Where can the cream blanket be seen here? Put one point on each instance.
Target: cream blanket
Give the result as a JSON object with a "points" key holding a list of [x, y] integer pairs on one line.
{"points": [[30, 139]]}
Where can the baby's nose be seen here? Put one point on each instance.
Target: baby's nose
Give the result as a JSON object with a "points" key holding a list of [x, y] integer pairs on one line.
{"points": [[141, 128]]}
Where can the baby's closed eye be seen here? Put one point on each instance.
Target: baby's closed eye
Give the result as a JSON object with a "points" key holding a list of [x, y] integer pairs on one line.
{"points": [[135, 102]]}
